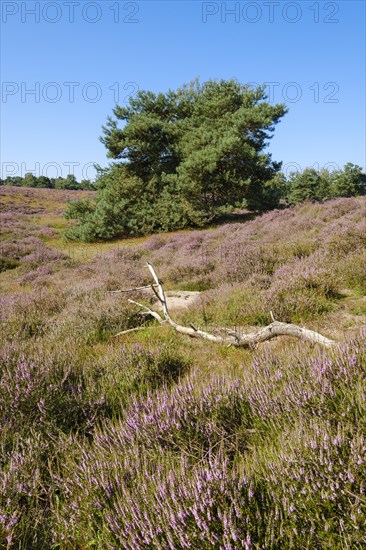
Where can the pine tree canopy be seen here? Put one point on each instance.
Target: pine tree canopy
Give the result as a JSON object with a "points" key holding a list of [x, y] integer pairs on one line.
{"points": [[185, 157]]}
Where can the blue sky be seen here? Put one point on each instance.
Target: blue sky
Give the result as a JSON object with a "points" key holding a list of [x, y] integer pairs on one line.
{"points": [[82, 57]]}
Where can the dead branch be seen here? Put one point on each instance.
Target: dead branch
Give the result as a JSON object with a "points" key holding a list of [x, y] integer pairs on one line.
{"points": [[134, 330], [234, 338], [149, 311], [131, 289]]}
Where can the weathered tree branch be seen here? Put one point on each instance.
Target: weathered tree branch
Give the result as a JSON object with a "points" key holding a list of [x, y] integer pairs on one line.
{"points": [[133, 330], [148, 310], [234, 338], [130, 289]]}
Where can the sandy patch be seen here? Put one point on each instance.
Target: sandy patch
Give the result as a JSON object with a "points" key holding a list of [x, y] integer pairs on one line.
{"points": [[179, 299]]}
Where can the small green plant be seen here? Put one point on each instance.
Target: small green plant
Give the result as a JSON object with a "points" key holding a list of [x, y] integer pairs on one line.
{"points": [[8, 263]]}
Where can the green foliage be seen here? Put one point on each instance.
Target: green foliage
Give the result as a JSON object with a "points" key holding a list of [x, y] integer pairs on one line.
{"points": [[8, 263], [43, 181], [30, 180], [306, 185], [319, 185], [349, 182], [189, 156], [274, 190], [78, 208], [70, 182]]}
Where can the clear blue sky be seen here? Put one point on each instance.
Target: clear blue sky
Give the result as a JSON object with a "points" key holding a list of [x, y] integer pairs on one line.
{"points": [[312, 53]]}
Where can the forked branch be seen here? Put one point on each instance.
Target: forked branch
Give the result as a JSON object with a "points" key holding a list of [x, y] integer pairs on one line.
{"points": [[231, 337]]}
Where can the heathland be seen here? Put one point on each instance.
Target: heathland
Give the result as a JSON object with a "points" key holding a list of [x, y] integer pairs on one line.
{"points": [[155, 440]]}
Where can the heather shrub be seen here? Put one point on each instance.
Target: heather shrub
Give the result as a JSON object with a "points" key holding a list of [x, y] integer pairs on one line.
{"points": [[199, 284], [294, 381], [313, 451], [184, 263], [190, 272], [302, 289], [297, 306], [212, 506], [296, 291], [191, 419], [259, 281], [278, 474], [303, 248], [232, 305], [43, 395], [26, 488], [150, 465], [155, 242], [48, 391], [242, 261], [316, 475], [30, 312], [30, 250], [346, 237], [134, 503], [155, 440], [352, 271], [92, 317], [125, 372]]}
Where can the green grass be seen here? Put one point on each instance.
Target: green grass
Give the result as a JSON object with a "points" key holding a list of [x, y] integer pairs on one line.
{"points": [[153, 429]]}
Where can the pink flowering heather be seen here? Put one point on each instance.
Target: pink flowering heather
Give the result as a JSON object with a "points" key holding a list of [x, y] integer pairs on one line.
{"points": [[154, 440]]}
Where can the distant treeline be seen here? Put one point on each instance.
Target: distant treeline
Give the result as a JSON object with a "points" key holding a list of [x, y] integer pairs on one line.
{"points": [[30, 180], [309, 184], [323, 184]]}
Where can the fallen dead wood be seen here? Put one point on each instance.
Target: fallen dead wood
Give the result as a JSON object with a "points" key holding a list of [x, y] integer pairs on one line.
{"points": [[135, 329], [130, 289], [231, 337]]}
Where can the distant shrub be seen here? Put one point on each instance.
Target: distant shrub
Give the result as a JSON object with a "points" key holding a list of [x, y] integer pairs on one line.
{"points": [[30, 180], [349, 182], [307, 185], [319, 185]]}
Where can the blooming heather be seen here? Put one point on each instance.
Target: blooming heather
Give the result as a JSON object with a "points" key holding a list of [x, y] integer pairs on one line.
{"points": [[155, 440]]}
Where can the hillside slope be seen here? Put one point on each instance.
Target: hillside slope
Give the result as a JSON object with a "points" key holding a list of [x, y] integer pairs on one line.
{"points": [[154, 440]]}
